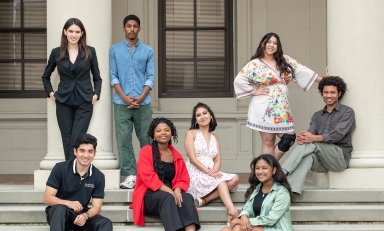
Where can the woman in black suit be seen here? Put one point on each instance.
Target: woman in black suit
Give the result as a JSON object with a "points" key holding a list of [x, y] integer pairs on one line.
{"points": [[75, 95]]}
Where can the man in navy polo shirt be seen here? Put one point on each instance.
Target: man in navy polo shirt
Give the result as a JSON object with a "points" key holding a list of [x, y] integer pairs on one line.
{"points": [[70, 187]]}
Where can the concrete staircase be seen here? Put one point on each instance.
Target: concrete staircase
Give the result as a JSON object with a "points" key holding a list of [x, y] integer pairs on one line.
{"points": [[318, 209]]}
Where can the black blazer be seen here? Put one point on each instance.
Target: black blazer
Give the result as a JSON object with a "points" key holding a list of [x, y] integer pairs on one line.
{"points": [[68, 81]]}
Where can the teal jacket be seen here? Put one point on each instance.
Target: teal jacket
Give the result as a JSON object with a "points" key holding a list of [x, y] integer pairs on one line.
{"points": [[274, 214]]}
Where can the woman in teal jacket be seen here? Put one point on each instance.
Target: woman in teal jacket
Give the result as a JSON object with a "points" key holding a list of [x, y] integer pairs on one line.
{"points": [[268, 199]]}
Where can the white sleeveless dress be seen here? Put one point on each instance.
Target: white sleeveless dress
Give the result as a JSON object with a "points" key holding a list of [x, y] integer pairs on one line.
{"points": [[201, 183]]}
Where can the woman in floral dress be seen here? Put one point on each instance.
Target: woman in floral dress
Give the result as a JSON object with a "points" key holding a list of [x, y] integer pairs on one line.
{"points": [[203, 151], [265, 79]]}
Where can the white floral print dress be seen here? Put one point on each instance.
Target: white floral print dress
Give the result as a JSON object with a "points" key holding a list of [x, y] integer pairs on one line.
{"points": [[201, 183], [270, 113]]}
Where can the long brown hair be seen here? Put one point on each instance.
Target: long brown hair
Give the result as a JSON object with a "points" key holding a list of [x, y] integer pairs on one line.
{"points": [[279, 175], [282, 65], [85, 53]]}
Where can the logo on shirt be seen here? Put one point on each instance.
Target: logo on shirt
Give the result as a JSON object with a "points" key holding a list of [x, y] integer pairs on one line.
{"points": [[89, 185]]}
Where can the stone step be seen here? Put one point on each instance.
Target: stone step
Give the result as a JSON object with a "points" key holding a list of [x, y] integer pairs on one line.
{"points": [[366, 227], [115, 228], [211, 214], [31, 196], [310, 195]]}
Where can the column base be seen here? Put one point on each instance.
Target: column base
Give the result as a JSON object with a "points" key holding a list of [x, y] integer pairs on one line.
{"points": [[351, 178], [112, 178]]}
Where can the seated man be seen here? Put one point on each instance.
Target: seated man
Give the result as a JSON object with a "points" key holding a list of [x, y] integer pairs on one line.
{"points": [[71, 185], [327, 145]]}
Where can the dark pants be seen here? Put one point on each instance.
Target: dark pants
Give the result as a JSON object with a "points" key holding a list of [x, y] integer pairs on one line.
{"points": [[73, 121], [60, 218], [163, 204]]}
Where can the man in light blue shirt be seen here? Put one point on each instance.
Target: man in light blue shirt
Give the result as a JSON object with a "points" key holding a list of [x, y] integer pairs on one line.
{"points": [[132, 71]]}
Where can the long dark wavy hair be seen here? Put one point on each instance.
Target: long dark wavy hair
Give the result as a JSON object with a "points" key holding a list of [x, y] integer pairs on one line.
{"points": [[284, 67], [279, 175], [212, 124], [155, 147], [84, 50], [333, 81]]}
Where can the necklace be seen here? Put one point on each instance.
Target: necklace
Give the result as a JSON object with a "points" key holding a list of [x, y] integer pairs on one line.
{"points": [[264, 194], [84, 176]]}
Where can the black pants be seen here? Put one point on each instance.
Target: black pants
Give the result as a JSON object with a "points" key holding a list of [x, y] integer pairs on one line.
{"points": [[60, 218], [163, 204], [73, 121]]}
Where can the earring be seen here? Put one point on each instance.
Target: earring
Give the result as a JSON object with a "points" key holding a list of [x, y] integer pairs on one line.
{"points": [[196, 125]]}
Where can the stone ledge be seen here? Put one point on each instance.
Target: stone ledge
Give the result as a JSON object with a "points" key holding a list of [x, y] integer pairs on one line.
{"points": [[366, 227], [309, 195], [210, 214], [23, 115], [357, 178]]}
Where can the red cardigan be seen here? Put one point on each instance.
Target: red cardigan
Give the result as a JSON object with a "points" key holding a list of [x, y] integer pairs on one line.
{"points": [[148, 178]]}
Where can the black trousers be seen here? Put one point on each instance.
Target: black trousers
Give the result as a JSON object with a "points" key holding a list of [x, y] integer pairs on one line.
{"points": [[163, 204], [73, 121], [60, 218]]}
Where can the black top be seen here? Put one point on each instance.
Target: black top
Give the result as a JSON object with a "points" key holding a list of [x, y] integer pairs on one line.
{"points": [[258, 202], [75, 98], [169, 173], [336, 127], [71, 186], [68, 81]]}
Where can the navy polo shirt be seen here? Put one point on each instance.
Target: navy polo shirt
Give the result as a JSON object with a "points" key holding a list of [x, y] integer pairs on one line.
{"points": [[70, 186]]}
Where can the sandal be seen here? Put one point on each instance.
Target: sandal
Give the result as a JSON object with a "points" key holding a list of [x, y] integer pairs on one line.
{"points": [[200, 202]]}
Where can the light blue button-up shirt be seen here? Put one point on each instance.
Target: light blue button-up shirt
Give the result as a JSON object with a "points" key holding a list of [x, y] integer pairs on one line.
{"points": [[132, 69]]}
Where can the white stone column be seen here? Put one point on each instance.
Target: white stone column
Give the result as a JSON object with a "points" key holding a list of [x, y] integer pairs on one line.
{"points": [[355, 53], [96, 16]]}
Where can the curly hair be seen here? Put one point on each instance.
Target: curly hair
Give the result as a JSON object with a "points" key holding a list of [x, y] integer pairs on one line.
{"points": [[282, 65], [155, 148], [212, 124], [333, 81], [279, 175]]}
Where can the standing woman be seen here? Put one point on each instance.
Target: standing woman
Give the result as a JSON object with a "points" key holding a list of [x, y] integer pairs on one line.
{"points": [[204, 162], [268, 199], [162, 181], [265, 79], [75, 95]]}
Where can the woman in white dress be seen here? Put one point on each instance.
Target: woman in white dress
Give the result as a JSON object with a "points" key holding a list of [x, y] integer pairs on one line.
{"points": [[265, 79], [203, 151]]}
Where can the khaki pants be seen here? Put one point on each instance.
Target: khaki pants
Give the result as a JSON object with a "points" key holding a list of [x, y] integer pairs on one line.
{"points": [[317, 157]]}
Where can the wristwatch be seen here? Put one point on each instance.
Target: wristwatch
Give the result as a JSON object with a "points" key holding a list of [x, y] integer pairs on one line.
{"points": [[88, 215]]}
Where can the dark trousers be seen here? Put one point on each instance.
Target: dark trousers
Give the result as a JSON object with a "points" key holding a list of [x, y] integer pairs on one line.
{"points": [[60, 218], [163, 204], [73, 121]]}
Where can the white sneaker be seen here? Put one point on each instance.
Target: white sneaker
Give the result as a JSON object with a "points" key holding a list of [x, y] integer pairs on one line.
{"points": [[129, 182]]}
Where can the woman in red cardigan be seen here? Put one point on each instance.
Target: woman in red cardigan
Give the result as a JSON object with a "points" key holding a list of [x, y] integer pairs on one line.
{"points": [[162, 181]]}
